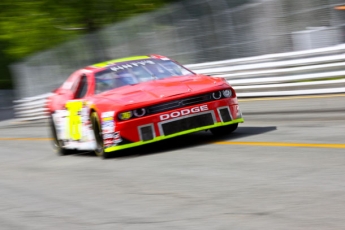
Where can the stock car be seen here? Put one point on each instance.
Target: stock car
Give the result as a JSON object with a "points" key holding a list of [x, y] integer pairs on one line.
{"points": [[133, 101]]}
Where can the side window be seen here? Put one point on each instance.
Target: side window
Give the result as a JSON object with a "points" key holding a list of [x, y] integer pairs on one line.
{"points": [[82, 88]]}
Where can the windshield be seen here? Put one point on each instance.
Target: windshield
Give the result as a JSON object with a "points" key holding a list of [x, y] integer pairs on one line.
{"points": [[134, 72]]}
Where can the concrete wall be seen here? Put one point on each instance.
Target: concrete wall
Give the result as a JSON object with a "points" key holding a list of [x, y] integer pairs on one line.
{"points": [[6, 104]]}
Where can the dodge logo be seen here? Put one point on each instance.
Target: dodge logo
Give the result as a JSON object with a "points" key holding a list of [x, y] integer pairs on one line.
{"points": [[183, 112]]}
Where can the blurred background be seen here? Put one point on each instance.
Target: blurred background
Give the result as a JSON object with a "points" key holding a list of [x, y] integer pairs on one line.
{"points": [[42, 42]]}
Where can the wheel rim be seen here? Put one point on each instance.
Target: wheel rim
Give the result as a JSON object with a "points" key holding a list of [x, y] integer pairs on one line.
{"points": [[98, 135]]}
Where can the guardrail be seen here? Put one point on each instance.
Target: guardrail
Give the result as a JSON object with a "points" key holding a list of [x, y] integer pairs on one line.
{"points": [[273, 57], [318, 71], [32, 108]]}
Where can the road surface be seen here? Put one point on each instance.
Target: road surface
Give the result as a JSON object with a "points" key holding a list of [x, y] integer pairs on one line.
{"points": [[284, 168]]}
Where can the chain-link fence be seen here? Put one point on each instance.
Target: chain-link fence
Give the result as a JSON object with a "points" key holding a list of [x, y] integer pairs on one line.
{"points": [[192, 31]]}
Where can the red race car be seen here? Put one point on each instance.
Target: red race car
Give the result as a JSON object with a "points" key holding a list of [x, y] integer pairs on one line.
{"points": [[133, 101]]}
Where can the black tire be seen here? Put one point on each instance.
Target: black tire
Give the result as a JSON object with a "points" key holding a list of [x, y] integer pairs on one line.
{"points": [[224, 130], [57, 144], [96, 127]]}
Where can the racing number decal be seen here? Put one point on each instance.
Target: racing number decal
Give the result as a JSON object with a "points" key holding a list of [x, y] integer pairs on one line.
{"points": [[74, 108]]}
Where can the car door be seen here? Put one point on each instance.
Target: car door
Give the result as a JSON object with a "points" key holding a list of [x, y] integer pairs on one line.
{"points": [[77, 115], [72, 119]]}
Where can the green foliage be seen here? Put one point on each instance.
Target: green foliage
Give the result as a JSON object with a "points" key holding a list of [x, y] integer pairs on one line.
{"points": [[5, 76], [30, 26]]}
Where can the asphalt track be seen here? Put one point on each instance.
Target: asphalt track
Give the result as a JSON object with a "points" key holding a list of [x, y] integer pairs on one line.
{"points": [[284, 168]]}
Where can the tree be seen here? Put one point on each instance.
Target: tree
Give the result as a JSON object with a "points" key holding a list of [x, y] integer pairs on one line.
{"points": [[30, 26]]}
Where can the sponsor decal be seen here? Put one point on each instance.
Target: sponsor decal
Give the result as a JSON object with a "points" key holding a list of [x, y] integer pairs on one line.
{"points": [[108, 127], [108, 136], [74, 108], [108, 143], [108, 130], [131, 65], [183, 112], [111, 139], [106, 124], [108, 114], [117, 138], [107, 119]]}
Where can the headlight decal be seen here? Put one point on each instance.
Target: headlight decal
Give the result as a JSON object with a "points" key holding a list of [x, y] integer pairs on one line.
{"points": [[216, 95], [125, 115], [139, 112], [227, 93]]}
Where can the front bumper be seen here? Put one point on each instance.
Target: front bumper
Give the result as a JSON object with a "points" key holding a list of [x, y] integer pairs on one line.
{"points": [[161, 126]]}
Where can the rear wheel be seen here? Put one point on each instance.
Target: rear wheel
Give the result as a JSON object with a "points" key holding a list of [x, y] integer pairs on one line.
{"points": [[223, 130], [57, 144], [96, 126]]}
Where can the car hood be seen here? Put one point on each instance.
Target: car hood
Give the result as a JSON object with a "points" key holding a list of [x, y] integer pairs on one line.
{"points": [[161, 89]]}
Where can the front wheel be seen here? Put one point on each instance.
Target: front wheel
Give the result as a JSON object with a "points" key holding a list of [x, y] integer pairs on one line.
{"points": [[224, 130], [96, 127]]}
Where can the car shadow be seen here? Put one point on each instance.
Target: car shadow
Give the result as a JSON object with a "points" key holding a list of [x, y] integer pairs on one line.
{"points": [[189, 141]]}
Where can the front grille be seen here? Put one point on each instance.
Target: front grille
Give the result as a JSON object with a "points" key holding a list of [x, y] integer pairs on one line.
{"points": [[187, 123], [146, 133], [224, 114], [179, 103]]}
